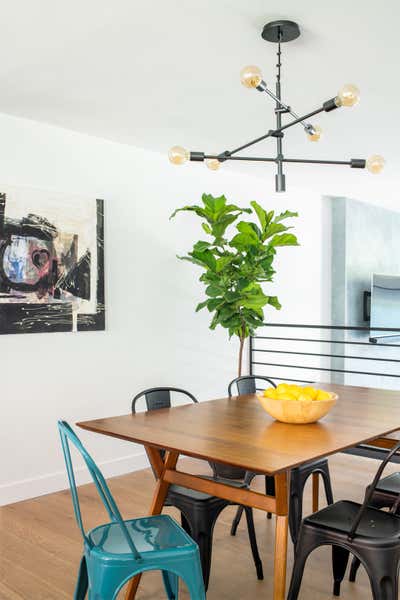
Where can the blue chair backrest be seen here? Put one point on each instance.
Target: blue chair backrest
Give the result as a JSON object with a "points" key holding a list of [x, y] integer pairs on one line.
{"points": [[247, 384], [68, 435]]}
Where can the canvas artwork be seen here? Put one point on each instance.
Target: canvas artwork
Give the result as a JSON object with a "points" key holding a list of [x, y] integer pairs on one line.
{"points": [[51, 262]]}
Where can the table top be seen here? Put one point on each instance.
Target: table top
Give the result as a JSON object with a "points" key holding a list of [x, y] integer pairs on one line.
{"points": [[237, 431]]}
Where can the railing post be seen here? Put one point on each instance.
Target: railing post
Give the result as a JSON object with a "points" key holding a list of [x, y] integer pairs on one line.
{"points": [[251, 355]]}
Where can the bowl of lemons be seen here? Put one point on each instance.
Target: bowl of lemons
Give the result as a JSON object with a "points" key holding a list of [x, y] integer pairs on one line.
{"points": [[295, 404]]}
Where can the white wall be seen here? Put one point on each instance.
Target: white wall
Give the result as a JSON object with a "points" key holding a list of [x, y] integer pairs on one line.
{"points": [[153, 336]]}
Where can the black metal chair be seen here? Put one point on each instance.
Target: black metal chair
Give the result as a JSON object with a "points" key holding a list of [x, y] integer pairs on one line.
{"points": [[199, 512], [370, 534], [384, 495], [247, 384]]}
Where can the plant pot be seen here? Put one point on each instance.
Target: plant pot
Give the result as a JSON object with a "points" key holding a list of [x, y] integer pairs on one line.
{"points": [[227, 471]]}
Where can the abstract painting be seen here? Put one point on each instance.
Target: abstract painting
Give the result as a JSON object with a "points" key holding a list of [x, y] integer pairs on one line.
{"points": [[51, 262]]}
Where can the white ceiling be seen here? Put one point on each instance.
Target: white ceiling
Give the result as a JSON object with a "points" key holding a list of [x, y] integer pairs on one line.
{"points": [[163, 72]]}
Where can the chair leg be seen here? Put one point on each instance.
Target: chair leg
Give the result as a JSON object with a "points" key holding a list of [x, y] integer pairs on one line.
{"points": [[340, 557], [192, 576], [171, 584], [82, 581], [253, 543], [355, 565], [269, 490], [327, 483], [200, 527], [302, 552], [236, 520], [295, 508], [235, 523], [385, 587]]}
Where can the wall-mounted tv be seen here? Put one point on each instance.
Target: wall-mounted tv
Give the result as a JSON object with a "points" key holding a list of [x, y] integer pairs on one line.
{"points": [[385, 307]]}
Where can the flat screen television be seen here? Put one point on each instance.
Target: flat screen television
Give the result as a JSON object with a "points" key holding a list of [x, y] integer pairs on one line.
{"points": [[385, 307]]}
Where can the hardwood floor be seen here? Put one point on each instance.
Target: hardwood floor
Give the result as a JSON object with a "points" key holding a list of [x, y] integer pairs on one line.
{"points": [[40, 544]]}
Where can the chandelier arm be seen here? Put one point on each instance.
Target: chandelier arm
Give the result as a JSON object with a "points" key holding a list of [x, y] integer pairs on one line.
{"points": [[276, 132], [354, 163], [263, 88]]}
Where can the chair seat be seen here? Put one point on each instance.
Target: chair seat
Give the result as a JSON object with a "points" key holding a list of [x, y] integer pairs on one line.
{"points": [[389, 484], [149, 534], [340, 516], [200, 496]]}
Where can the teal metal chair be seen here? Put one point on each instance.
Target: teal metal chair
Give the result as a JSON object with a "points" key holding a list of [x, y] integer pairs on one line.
{"points": [[119, 550]]}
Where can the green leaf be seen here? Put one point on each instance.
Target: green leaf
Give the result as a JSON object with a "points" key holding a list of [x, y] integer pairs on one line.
{"points": [[274, 228], [214, 290], [215, 303], [261, 214], [273, 301], [286, 215], [200, 246], [285, 239], [249, 229], [206, 228], [205, 258], [243, 241], [201, 305], [196, 209]]}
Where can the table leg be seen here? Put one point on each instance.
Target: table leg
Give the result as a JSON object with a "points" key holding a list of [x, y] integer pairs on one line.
{"points": [[281, 535], [157, 504]]}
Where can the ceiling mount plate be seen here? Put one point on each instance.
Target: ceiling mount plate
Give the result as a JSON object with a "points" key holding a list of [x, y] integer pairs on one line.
{"points": [[284, 31]]}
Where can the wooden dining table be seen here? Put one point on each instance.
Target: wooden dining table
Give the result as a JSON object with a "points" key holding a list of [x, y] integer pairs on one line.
{"points": [[237, 431]]}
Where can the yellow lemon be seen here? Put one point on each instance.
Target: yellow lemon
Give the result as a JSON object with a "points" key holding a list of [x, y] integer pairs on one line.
{"points": [[323, 395], [304, 398], [286, 396], [270, 393], [283, 387], [295, 389], [310, 391]]}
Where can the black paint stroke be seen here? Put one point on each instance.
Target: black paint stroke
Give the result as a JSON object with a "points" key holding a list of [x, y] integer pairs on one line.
{"points": [[97, 322]]}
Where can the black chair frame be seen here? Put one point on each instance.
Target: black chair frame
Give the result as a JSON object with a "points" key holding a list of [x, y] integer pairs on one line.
{"points": [[199, 512], [332, 526], [247, 384]]}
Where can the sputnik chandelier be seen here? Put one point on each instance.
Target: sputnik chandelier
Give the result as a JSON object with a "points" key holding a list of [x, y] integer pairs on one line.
{"points": [[251, 77]]}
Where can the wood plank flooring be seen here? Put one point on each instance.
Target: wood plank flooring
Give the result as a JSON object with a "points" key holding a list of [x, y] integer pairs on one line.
{"points": [[40, 544]]}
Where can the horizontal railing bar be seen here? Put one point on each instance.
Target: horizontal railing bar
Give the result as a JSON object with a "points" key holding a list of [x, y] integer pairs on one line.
{"points": [[293, 339], [283, 379], [336, 327], [328, 370], [394, 360]]}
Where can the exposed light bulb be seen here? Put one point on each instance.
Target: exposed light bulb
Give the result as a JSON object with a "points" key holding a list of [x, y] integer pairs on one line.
{"points": [[251, 76], [349, 95], [316, 135], [213, 164], [375, 164], [178, 155]]}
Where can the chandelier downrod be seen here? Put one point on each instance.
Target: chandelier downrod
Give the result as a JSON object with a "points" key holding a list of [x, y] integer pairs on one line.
{"points": [[279, 32]]}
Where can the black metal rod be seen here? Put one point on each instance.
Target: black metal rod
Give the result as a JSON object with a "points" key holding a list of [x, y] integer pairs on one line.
{"points": [[329, 370], [319, 162], [273, 133], [260, 159], [283, 160], [294, 339], [285, 379], [393, 360], [338, 327]]}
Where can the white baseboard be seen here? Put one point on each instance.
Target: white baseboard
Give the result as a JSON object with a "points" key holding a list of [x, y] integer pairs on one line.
{"points": [[54, 482]]}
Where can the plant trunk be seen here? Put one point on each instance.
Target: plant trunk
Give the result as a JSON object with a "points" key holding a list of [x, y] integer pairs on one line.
{"points": [[242, 339]]}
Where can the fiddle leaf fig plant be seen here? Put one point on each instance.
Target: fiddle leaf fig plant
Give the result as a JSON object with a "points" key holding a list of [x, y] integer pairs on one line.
{"points": [[235, 264]]}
